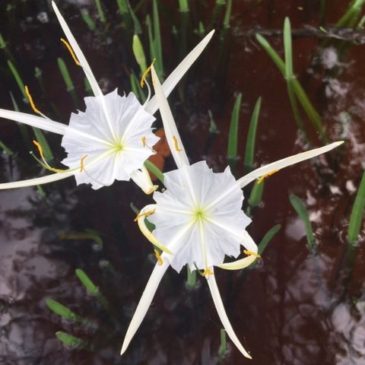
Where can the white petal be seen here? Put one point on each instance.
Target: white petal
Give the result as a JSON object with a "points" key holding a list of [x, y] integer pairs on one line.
{"points": [[179, 72], [144, 303], [37, 181], [285, 162], [223, 315], [85, 66], [34, 121], [80, 56], [172, 134]]}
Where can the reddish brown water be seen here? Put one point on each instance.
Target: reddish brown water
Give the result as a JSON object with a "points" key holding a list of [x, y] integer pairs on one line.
{"points": [[293, 308]]}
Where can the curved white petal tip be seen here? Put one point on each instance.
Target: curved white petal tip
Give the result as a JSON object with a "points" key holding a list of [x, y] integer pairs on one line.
{"points": [[37, 181], [223, 315], [144, 303], [286, 162]]}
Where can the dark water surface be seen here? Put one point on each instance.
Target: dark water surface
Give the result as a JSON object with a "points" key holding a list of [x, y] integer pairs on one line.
{"points": [[293, 308]]}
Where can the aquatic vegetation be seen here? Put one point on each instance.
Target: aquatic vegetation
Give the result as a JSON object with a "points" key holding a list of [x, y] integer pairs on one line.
{"points": [[199, 219], [112, 139], [357, 214], [296, 92]]}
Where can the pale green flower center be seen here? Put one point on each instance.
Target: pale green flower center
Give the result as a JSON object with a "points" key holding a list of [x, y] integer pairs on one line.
{"points": [[118, 146], [199, 214]]}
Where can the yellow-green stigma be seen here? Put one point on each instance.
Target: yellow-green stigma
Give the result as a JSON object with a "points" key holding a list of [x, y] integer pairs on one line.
{"points": [[199, 215], [118, 147]]}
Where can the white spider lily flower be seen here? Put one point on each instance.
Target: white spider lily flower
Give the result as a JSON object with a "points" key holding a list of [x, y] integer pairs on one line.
{"points": [[112, 138], [199, 219]]}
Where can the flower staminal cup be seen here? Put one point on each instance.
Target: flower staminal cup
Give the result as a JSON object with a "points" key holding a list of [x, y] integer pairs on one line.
{"points": [[199, 218], [112, 138]]}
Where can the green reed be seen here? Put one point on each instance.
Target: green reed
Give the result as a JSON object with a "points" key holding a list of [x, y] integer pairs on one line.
{"points": [[153, 169], [232, 147], [255, 198], [223, 348], [251, 136], [227, 15], [64, 312], [88, 20], [39, 135], [357, 214], [184, 6], [100, 10], [352, 15], [295, 89], [269, 235], [123, 7], [71, 341], [139, 53]]}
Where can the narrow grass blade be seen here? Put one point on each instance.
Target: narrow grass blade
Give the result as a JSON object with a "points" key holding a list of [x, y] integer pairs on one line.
{"points": [[65, 74], [100, 11], [88, 20], [2, 42], [271, 52], [294, 106], [153, 169], [301, 95], [257, 191], [42, 140], [309, 109], [223, 349], [22, 127], [288, 51], [139, 54], [90, 287], [136, 23], [157, 39], [233, 131], [227, 15], [123, 7], [136, 87], [62, 311], [251, 136], [17, 78], [201, 29], [302, 212], [40, 137], [70, 340], [357, 214], [151, 42], [184, 6], [270, 234], [217, 13], [352, 14], [87, 87]]}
